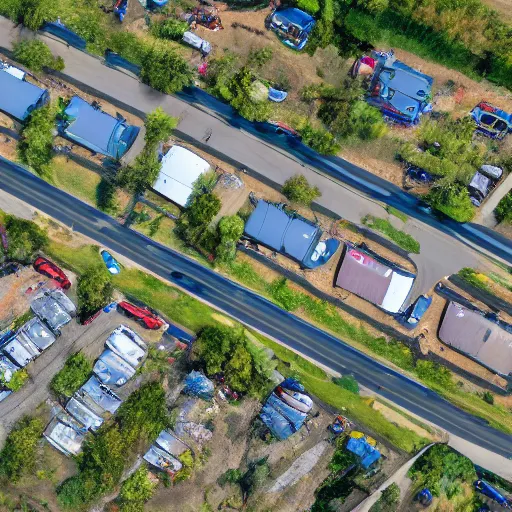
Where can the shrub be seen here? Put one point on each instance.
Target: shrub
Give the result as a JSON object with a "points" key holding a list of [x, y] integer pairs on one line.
{"points": [[453, 200], [230, 229], [159, 127], [170, 28], [165, 70], [73, 375], [283, 295], [311, 6], [36, 55], [347, 382], [434, 374], [36, 142], [389, 499], [320, 140], [231, 476], [298, 190], [258, 58], [136, 490], [17, 381], [94, 290], [488, 397], [33, 13], [106, 196], [18, 456], [255, 476], [503, 211], [25, 238]]}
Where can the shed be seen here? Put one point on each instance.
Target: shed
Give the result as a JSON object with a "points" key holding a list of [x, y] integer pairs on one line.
{"points": [[65, 434], [288, 233], [162, 460], [19, 98], [51, 311], [96, 130], [169, 442], [127, 345], [83, 414], [179, 171], [93, 390], [477, 336], [21, 350], [112, 369], [38, 333], [370, 278]]}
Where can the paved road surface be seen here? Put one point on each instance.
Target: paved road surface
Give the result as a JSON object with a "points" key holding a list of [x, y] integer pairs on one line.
{"points": [[249, 146], [250, 308]]}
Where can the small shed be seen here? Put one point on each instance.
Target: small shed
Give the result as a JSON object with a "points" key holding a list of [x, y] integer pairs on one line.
{"points": [[179, 171], [112, 369], [96, 392], [18, 98]]}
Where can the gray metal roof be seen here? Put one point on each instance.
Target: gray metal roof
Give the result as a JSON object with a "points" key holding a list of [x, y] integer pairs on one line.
{"points": [[162, 460], [51, 311], [21, 350], [169, 442], [38, 333], [65, 434], [7, 368], [128, 345], [100, 394], [273, 227], [17, 97], [470, 332], [112, 369], [83, 414]]}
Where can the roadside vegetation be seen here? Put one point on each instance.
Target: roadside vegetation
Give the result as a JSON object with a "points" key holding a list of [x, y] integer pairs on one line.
{"points": [[36, 55], [94, 291], [298, 190], [503, 211], [402, 239], [389, 499]]}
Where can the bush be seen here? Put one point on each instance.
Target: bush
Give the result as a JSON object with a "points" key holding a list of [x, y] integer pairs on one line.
{"points": [[255, 477], [33, 13], [170, 28], [231, 476], [230, 229], [453, 200], [402, 239], [25, 238], [298, 190], [258, 58], [434, 374], [488, 397], [17, 381], [389, 499], [73, 375], [503, 211], [311, 6], [347, 382], [320, 140], [159, 127], [136, 490], [94, 290], [36, 142], [106, 196], [36, 55], [165, 70], [18, 456]]}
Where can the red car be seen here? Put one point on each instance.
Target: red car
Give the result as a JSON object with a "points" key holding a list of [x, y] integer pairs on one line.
{"points": [[143, 315], [49, 269]]}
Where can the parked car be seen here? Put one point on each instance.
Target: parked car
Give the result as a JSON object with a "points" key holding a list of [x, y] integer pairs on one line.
{"points": [[414, 313], [112, 265], [492, 121], [49, 269], [143, 315]]}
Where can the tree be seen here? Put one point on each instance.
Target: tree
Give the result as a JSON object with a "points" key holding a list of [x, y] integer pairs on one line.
{"points": [[373, 6], [18, 456], [36, 143], [255, 476], [203, 209], [453, 200], [170, 28], [36, 55], [230, 230], [136, 490], [165, 70], [320, 140], [212, 346], [33, 13], [25, 238], [143, 173], [258, 58], [298, 190], [503, 211], [159, 126], [311, 6], [73, 375], [94, 290], [239, 368]]}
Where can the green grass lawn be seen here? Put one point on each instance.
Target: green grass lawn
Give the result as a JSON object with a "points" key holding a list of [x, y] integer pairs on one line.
{"points": [[397, 213], [75, 179], [402, 239]]}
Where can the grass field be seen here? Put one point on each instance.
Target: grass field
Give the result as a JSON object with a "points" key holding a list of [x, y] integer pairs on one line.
{"points": [[402, 239]]}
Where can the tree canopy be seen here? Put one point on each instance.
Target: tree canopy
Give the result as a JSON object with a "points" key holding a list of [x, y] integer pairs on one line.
{"points": [[298, 190], [73, 375], [36, 55], [25, 238], [94, 290], [136, 490]]}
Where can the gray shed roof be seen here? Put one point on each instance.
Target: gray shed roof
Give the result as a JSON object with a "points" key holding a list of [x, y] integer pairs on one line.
{"points": [[51, 311], [169, 442], [38, 333], [21, 350], [162, 460], [65, 434], [100, 394], [17, 97], [7, 368], [83, 414], [273, 227], [112, 369], [470, 332]]}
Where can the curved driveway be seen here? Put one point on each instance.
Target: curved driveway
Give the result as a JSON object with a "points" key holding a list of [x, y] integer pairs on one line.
{"points": [[250, 308]]}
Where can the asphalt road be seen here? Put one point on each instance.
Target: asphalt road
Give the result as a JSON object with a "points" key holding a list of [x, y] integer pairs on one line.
{"points": [[249, 308], [347, 190]]}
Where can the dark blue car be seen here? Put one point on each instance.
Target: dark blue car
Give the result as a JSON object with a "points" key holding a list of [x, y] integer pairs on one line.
{"points": [[414, 313]]}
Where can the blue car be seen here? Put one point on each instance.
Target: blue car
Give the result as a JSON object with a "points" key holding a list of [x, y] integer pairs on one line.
{"points": [[414, 313], [292, 26], [419, 175], [492, 121], [112, 265]]}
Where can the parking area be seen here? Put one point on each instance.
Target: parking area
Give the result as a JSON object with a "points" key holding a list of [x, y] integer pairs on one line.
{"points": [[89, 339]]}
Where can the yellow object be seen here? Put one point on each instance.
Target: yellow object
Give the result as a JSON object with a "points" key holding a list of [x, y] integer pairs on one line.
{"points": [[359, 435], [356, 434]]}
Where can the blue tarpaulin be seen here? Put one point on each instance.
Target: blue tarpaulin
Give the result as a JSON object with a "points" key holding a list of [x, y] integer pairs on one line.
{"points": [[290, 234], [292, 26], [488, 490], [180, 334], [276, 422], [276, 95], [196, 384], [114, 59], [19, 98], [97, 130], [295, 417], [292, 385], [59, 30], [367, 454]]}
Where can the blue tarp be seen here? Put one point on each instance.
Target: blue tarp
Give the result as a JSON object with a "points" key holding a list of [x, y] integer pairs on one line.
{"points": [[292, 26], [180, 334], [276, 95], [97, 130], [196, 384], [114, 59], [62, 32], [401, 92], [19, 98], [488, 490], [289, 234], [277, 424], [367, 454], [292, 385], [295, 417]]}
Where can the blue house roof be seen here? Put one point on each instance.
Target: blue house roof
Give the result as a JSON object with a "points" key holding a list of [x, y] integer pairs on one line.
{"points": [[19, 98], [297, 17], [97, 130]]}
